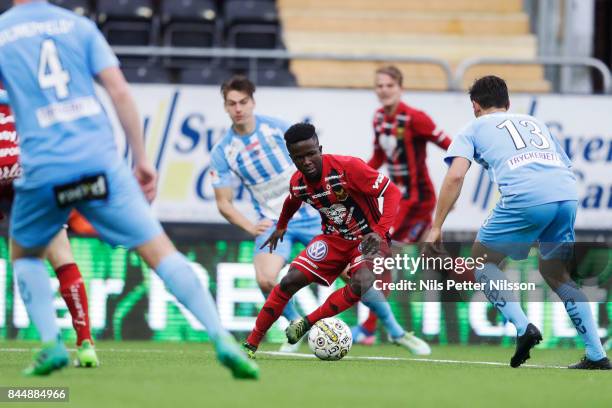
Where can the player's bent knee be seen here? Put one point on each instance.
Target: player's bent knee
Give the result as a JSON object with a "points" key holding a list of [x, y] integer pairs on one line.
{"points": [[265, 284], [293, 281], [156, 249], [361, 281]]}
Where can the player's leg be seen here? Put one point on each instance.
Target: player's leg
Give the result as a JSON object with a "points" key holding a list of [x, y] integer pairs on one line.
{"points": [[360, 282], [268, 266], [72, 289], [34, 222], [507, 232], [125, 218], [275, 304], [556, 248]]}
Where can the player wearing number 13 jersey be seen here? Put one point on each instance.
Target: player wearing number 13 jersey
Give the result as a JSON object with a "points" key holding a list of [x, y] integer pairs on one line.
{"points": [[538, 204]]}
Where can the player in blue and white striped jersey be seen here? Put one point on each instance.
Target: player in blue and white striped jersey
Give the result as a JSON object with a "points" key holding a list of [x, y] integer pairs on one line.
{"points": [[254, 151]]}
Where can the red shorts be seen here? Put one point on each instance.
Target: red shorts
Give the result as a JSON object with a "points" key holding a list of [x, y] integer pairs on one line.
{"points": [[412, 221], [325, 258]]}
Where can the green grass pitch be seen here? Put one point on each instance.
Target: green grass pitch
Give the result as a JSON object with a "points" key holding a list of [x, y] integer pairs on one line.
{"points": [[146, 374]]}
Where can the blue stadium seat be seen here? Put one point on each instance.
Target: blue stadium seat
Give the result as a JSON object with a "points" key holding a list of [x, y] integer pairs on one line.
{"points": [[81, 7]]}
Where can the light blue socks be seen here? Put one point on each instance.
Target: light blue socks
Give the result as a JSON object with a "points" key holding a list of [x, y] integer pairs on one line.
{"points": [[35, 289], [506, 301], [182, 282]]}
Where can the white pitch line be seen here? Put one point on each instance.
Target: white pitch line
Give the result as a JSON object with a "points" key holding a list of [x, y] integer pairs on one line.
{"points": [[304, 355], [426, 360]]}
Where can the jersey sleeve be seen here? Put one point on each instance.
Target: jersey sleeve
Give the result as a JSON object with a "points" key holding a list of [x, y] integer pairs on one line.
{"points": [[4, 99], [99, 54], [364, 178], [220, 171], [462, 145], [425, 127]]}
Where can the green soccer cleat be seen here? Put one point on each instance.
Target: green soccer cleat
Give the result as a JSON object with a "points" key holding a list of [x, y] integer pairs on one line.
{"points": [[249, 350], [296, 330], [52, 357], [86, 355], [230, 355]]}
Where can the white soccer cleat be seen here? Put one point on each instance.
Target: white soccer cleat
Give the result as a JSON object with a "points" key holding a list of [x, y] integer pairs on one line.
{"points": [[413, 343], [287, 347]]}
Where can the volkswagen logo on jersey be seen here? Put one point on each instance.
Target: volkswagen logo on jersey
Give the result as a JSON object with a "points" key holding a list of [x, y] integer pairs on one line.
{"points": [[317, 250]]}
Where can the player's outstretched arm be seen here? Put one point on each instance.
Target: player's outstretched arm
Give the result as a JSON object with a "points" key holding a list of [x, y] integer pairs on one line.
{"points": [[116, 86], [449, 193], [224, 197]]}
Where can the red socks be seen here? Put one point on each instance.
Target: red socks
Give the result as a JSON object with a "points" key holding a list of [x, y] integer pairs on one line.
{"points": [[336, 303], [269, 313], [72, 289]]}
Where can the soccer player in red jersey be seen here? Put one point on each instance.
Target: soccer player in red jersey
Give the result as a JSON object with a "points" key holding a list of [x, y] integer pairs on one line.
{"points": [[401, 134], [345, 191], [72, 287]]}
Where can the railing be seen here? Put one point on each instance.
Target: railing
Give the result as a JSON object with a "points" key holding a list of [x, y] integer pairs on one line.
{"points": [[454, 81], [542, 60]]}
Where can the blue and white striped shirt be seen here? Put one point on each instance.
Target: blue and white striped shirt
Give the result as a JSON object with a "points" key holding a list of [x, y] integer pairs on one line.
{"points": [[261, 161]]}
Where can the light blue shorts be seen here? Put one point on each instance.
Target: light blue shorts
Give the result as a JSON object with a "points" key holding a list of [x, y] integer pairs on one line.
{"points": [[302, 232], [512, 231], [122, 218]]}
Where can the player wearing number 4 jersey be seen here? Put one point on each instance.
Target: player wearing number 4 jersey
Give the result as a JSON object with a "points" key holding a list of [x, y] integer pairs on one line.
{"points": [[49, 58], [538, 204]]}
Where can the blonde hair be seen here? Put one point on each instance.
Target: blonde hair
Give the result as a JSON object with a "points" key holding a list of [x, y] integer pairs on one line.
{"points": [[393, 72]]}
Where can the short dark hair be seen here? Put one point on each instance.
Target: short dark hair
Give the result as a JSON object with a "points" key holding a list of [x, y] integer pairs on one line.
{"points": [[490, 92], [238, 83], [299, 132]]}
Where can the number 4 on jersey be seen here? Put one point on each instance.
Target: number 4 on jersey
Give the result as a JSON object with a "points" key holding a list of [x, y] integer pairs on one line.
{"points": [[51, 74]]}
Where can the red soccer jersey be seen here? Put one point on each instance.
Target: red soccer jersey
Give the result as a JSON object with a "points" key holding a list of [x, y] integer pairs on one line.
{"points": [[400, 141], [9, 147], [346, 196]]}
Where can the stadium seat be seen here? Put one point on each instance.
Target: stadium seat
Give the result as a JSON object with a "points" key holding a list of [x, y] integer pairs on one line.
{"points": [[189, 23], [146, 74], [129, 22], [249, 11], [275, 77], [210, 75], [81, 7], [252, 24]]}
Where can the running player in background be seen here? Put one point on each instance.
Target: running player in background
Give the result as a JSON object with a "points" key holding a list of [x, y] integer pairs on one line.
{"points": [[253, 149], [538, 204], [49, 58], [72, 287], [345, 191], [401, 134]]}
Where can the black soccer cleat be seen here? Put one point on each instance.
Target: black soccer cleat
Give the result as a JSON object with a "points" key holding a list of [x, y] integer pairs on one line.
{"points": [[586, 364], [525, 343]]}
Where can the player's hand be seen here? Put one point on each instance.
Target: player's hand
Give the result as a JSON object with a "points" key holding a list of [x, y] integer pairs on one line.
{"points": [[371, 243], [147, 178], [272, 240], [261, 227], [433, 242]]}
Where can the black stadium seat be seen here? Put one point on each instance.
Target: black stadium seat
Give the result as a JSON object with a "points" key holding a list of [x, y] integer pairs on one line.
{"points": [[81, 7], [129, 22], [189, 23]]}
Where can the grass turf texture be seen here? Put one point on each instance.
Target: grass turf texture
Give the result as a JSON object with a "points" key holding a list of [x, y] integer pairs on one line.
{"points": [[145, 374]]}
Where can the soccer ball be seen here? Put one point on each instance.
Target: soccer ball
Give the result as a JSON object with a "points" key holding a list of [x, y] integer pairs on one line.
{"points": [[330, 339]]}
